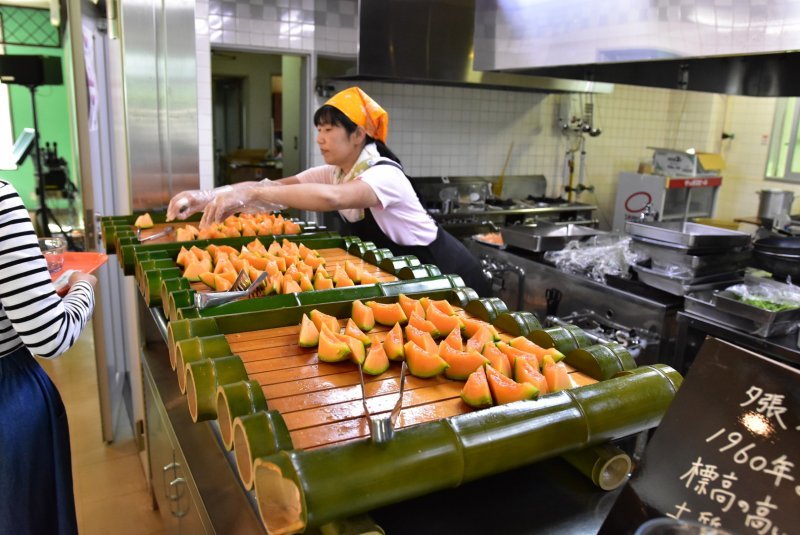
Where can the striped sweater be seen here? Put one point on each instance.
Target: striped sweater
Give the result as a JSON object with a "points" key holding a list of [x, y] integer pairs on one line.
{"points": [[31, 313]]}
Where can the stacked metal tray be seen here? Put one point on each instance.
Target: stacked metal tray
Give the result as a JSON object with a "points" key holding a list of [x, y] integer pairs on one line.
{"points": [[689, 257], [541, 237]]}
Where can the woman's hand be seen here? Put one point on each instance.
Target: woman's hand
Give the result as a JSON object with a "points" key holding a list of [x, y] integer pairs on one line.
{"points": [[74, 278], [190, 202], [243, 198]]}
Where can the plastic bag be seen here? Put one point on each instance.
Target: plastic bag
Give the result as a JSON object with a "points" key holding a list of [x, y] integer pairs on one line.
{"points": [[766, 294], [604, 255]]}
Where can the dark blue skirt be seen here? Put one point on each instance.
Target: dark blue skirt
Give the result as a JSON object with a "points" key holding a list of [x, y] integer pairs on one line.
{"points": [[36, 494]]}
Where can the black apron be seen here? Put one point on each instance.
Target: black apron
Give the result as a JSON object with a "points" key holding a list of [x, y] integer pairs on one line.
{"points": [[446, 252]]}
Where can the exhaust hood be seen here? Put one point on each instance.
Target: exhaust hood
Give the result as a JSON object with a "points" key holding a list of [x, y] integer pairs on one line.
{"points": [[736, 47], [431, 42]]}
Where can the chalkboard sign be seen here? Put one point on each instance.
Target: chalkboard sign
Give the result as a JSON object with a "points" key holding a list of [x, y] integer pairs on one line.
{"points": [[727, 452]]}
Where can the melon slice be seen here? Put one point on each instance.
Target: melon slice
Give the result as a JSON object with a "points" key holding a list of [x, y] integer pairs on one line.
{"points": [[393, 343], [387, 313], [330, 348], [353, 271], [275, 249], [256, 247], [208, 279], [513, 353], [479, 338], [343, 282], [410, 305], [184, 257], [422, 338], [362, 316], [290, 286], [309, 334], [444, 323], [461, 363], [351, 329], [368, 278], [143, 221], [314, 261], [443, 306], [376, 362], [194, 269], [321, 283], [422, 363], [183, 234], [454, 340], [304, 251], [476, 392], [471, 326], [506, 390], [290, 227], [521, 342], [320, 319], [526, 370], [556, 374], [422, 324], [321, 272], [222, 284], [357, 351], [497, 359], [305, 284]]}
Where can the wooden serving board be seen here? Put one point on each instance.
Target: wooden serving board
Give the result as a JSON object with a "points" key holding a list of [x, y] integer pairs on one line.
{"points": [[334, 257], [321, 402]]}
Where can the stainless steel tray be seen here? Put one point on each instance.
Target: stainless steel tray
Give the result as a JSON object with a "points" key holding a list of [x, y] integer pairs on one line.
{"points": [[693, 265], [545, 236], [682, 286], [703, 304], [692, 235]]}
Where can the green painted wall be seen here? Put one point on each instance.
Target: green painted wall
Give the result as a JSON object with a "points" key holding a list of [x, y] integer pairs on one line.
{"points": [[52, 108]]}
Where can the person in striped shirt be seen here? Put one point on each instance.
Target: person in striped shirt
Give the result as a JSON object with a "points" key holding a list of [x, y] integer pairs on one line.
{"points": [[36, 493]]}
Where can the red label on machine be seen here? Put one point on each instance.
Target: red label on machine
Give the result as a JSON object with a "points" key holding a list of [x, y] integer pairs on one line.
{"points": [[694, 182]]}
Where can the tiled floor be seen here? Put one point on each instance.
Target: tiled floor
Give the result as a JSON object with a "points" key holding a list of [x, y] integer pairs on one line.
{"points": [[111, 493]]}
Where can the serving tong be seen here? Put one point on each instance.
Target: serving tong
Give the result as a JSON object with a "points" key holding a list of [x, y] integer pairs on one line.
{"points": [[204, 300], [381, 426], [165, 232]]}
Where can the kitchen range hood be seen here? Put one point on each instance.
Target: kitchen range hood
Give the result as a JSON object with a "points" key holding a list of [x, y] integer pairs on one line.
{"points": [[431, 42], [739, 47]]}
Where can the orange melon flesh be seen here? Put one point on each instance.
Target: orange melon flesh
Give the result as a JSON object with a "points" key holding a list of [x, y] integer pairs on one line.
{"points": [[309, 334], [393, 343], [323, 283], [184, 257], [368, 278], [314, 261], [291, 286], [522, 343], [443, 306], [194, 269], [497, 359], [461, 363], [183, 235], [506, 390], [330, 348], [422, 338], [362, 316], [557, 377], [320, 319], [357, 351], [476, 392], [143, 221], [376, 362], [199, 254], [290, 227], [387, 313], [343, 282], [471, 326], [222, 284], [444, 323], [454, 340], [208, 279], [321, 272], [513, 353], [352, 270], [526, 370], [257, 247], [410, 305], [423, 363], [479, 338], [305, 284], [351, 329], [419, 322]]}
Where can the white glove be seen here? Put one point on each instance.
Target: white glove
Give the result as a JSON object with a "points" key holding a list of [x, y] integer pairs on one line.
{"points": [[242, 199], [192, 201]]}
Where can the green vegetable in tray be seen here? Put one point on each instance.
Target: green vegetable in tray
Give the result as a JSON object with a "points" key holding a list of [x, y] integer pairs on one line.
{"points": [[766, 304]]}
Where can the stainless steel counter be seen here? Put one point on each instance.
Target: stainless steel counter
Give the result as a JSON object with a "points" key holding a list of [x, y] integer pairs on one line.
{"points": [[490, 211]]}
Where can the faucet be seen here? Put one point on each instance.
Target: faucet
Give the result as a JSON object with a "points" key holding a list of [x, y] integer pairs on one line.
{"points": [[494, 270]]}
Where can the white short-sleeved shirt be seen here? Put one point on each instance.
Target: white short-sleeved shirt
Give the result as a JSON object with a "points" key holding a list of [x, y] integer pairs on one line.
{"points": [[400, 215]]}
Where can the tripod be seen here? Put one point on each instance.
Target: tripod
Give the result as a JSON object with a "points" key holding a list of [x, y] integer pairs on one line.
{"points": [[43, 213]]}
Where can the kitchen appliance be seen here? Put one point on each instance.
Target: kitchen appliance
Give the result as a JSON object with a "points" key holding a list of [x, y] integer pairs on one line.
{"points": [[667, 198], [774, 202]]}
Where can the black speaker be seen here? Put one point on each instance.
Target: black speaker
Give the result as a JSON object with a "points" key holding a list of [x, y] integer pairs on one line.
{"points": [[30, 70]]}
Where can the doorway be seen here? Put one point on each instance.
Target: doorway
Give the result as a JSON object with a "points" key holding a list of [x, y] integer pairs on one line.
{"points": [[257, 105]]}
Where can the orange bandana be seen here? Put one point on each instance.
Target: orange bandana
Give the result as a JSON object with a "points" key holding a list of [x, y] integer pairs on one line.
{"points": [[363, 111]]}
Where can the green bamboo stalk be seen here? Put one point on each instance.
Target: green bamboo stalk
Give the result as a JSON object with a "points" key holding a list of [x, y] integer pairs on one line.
{"points": [[168, 287], [237, 399], [198, 349], [565, 339], [597, 361], [605, 465], [374, 256], [202, 379], [295, 490], [360, 248], [418, 272], [625, 358], [517, 323], [258, 435], [487, 308], [396, 263], [184, 329], [152, 284]]}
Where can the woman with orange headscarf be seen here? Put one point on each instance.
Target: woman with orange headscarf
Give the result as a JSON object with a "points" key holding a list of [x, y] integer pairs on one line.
{"points": [[362, 179]]}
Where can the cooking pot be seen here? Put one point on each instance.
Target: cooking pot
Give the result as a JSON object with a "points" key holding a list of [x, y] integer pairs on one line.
{"points": [[778, 245], [774, 202]]}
